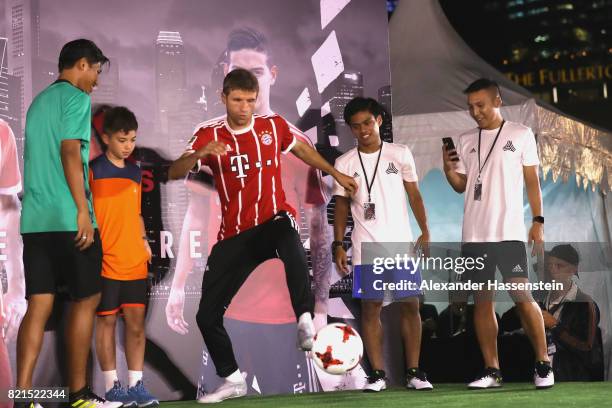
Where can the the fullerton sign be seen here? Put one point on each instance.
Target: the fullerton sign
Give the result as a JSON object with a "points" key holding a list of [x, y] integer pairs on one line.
{"points": [[545, 76]]}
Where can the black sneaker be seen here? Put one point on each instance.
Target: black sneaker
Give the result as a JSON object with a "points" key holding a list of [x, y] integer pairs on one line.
{"points": [[543, 376], [376, 382], [416, 379], [489, 378], [87, 399]]}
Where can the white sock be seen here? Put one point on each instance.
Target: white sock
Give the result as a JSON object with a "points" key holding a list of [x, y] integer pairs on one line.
{"points": [[235, 377], [109, 379], [134, 377]]}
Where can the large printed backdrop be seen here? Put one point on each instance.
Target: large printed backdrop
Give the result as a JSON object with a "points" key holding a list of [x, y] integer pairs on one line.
{"points": [[167, 64]]}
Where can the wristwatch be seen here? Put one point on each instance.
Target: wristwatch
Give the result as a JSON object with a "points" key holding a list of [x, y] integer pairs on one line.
{"points": [[539, 219], [335, 245]]}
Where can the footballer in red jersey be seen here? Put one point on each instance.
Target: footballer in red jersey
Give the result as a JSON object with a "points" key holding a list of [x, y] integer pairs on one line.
{"points": [[257, 224], [262, 308]]}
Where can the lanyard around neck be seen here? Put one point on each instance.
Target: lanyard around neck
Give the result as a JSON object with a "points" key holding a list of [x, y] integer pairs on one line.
{"points": [[480, 168], [368, 185]]}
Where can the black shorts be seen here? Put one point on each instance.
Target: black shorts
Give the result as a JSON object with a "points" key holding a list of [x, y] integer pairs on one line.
{"points": [[510, 257], [51, 260], [118, 294]]}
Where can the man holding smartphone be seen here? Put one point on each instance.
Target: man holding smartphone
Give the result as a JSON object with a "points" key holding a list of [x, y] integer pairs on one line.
{"points": [[490, 165]]}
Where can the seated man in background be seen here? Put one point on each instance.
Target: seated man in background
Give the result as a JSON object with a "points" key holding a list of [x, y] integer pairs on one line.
{"points": [[571, 319]]}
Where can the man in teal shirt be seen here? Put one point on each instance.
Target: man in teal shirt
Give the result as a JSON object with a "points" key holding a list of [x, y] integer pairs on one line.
{"points": [[60, 241]]}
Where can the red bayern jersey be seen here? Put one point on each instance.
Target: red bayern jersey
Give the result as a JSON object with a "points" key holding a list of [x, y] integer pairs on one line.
{"points": [[248, 177], [305, 181]]}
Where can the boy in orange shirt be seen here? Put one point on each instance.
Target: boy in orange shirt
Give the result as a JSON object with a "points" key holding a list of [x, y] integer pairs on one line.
{"points": [[116, 187]]}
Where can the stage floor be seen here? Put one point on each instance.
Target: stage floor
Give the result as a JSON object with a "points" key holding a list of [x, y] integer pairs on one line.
{"points": [[511, 395]]}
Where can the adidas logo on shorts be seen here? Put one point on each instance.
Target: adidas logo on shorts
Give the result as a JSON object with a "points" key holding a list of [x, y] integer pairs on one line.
{"points": [[356, 175], [517, 269], [473, 150]]}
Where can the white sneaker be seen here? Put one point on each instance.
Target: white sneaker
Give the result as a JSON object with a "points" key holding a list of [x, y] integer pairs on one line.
{"points": [[305, 332], [490, 378], [227, 390], [543, 377], [375, 385], [417, 380]]}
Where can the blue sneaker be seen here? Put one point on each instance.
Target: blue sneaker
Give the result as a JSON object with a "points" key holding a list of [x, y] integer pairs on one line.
{"points": [[142, 396], [118, 394]]}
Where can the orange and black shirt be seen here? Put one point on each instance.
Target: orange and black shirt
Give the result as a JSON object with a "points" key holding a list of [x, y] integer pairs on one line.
{"points": [[116, 199]]}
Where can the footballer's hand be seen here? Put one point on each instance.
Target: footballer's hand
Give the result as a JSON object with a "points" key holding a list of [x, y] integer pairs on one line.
{"points": [[349, 183], [214, 148], [85, 231], [174, 311], [536, 239], [341, 260]]}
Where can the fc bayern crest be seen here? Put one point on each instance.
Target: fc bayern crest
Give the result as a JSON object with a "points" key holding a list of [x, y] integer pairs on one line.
{"points": [[266, 138]]}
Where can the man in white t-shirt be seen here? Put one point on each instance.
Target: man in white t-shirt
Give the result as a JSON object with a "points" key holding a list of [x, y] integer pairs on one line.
{"points": [[384, 173], [490, 165]]}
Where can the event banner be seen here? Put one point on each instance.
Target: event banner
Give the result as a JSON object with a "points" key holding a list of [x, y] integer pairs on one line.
{"points": [[167, 63]]}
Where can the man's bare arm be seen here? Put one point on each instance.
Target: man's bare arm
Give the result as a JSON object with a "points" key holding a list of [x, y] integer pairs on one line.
{"points": [[70, 152], [182, 166]]}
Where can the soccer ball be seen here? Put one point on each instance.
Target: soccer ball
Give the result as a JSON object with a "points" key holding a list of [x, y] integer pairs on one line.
{"points": [[337, 348]]}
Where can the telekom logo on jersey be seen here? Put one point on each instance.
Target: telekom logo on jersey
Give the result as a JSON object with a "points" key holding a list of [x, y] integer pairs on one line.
{"points": [[240, 163]]}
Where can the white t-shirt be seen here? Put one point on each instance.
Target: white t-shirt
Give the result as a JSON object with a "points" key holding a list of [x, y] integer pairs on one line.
{"points": [[388, 194], [498, 216]]}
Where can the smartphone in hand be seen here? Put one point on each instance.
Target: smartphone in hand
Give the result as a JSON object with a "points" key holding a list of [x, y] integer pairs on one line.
{"points": [[450, 146]]}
